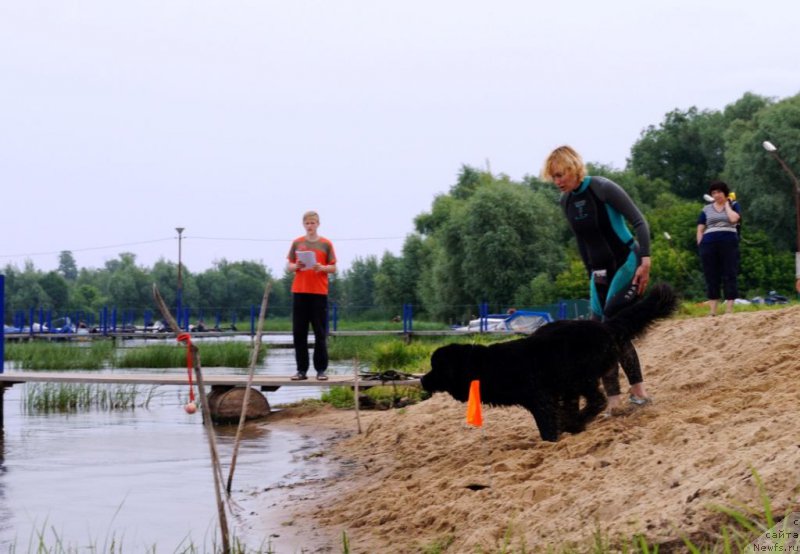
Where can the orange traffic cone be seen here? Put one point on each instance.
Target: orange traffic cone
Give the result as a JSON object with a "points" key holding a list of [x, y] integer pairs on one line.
{"points": [[474, 415]]}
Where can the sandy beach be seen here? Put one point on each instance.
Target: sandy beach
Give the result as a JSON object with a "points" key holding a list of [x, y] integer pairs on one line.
{"points": [[726, 403]]}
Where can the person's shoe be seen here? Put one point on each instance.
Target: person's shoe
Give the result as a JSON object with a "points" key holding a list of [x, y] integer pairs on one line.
{"points": [[299, 377], [640, 400], [616, 411], [322, 377]]}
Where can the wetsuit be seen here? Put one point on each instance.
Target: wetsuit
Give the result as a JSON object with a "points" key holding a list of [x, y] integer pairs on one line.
{"points": [[597, 211]]}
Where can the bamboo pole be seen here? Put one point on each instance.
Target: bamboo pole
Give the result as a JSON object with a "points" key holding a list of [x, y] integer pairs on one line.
{"points": [[253, 361], [207, 423], [356, 393]]}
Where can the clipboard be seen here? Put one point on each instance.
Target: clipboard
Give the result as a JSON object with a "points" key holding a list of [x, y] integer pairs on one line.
{"points": [[308, 258]]}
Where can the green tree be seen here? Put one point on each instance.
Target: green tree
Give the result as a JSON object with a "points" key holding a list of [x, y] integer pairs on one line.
{"points": [[499, 228], [685, 150], [164, 274], [764, 268], [67, 266], [388, 283], [746, 108], [236, 286], [398, 277], [485, 245], [764, 190], [56, 288], [24, 290], [87, 298], [126, 284], [540, 290], [358, 283], [573, 281]]}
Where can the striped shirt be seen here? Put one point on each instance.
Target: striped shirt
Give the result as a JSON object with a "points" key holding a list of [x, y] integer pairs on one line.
{"points": [[717, 222]]}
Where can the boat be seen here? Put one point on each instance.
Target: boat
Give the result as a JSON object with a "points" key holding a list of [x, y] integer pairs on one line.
{"points": [[518, 321]]}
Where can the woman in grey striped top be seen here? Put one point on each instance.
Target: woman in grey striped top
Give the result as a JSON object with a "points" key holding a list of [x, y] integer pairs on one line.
{"points": [[718, 241]]}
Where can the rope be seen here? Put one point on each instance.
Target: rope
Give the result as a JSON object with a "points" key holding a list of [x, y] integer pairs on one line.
{"points": [[187, 338]]}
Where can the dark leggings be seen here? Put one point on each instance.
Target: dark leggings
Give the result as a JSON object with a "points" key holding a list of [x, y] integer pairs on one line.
{"points": [[629, 359], [310, 309], [720, 264]]}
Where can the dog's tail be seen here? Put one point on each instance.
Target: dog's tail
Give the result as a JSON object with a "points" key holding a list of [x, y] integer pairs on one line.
{"points": [[632, 321]]}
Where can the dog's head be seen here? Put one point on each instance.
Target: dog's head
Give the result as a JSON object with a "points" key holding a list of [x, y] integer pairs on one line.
{"points": [[452, 370]]}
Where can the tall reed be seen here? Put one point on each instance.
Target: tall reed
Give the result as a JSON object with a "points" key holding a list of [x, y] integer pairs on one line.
{"points": [[68, 397], [212, 354], [59, 355]]}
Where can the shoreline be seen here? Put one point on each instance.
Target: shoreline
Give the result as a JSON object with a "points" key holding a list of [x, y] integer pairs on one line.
{"points": [[719, 415], [282, 514]]}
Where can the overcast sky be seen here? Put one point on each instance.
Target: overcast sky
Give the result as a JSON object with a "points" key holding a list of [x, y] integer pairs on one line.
{"points": [[120, 121]]}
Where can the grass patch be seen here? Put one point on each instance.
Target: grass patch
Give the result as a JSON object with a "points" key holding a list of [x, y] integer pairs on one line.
{"points": [[44, 542], [61, 397], [408, 358], [339, 397], [59, 355], [701, 309], [284, 324], [101, 354], [378, 397], [219, 354], [382, 352], [732, 531]]}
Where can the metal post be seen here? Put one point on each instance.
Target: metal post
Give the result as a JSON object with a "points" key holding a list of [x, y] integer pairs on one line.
{"points": [[773, 150], [252, 320], [179, 296], [2, 332]]}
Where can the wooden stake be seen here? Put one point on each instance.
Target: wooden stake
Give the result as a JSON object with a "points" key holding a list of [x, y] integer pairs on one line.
{"points": [[356, 393], [253, 361], [207, 423]]}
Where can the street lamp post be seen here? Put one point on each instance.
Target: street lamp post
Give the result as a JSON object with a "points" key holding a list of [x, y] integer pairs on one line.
{"points": [[179, 296], [773, 150]]}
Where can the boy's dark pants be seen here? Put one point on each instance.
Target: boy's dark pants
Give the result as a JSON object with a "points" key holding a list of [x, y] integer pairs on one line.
{"points": [[310, 309]]}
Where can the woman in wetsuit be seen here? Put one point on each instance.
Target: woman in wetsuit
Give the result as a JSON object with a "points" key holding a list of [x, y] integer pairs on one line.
{"points": [[619, 265]]}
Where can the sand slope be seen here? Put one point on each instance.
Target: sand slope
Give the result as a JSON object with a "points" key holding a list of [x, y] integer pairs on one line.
{"points": [[727, 399]]}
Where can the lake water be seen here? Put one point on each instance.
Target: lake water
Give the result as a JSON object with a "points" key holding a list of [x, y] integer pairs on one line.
{"points": [[143, 477]]}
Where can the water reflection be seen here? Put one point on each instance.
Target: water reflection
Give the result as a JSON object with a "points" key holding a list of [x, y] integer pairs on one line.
{"points": [[141, 477]]}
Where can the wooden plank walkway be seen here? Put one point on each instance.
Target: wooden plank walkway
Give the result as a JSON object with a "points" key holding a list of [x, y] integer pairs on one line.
{"points": [[266, 382], [123, 335]]}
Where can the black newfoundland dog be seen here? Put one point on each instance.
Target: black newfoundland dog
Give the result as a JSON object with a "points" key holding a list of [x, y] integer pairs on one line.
{"points": [[549, 371]]}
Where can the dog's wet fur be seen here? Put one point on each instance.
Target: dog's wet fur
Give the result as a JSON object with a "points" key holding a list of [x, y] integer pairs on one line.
{"points": [[549, 372]]}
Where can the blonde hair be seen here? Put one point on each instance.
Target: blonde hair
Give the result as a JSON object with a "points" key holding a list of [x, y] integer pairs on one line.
{"points": [[310, 213], [564, 159]]}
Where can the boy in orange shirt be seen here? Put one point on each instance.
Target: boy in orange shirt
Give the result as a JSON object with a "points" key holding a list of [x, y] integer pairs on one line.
{"points": [[311, 258]]}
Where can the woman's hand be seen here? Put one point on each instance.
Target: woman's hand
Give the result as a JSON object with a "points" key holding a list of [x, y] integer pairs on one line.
{"points": [[642, 275]]}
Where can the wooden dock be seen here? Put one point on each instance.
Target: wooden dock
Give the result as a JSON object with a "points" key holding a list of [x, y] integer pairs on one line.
{"points": [[266, 383], [284, 340]]}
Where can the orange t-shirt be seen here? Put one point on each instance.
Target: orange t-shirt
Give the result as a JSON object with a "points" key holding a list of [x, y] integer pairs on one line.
{"points": [[310, 281]]}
